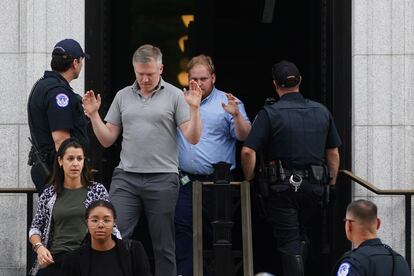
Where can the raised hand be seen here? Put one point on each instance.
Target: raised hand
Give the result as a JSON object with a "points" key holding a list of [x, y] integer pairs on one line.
{"points": [[193, 95], [91, 103], [232, 106]]}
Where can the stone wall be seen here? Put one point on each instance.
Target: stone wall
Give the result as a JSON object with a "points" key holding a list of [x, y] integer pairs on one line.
{"points": [[383, 117], [30, 29]]}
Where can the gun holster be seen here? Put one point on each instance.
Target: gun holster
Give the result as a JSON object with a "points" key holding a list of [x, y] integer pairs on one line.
{"points": [[32, 157], [44, 160], [320, 174], [259, 200], [263, 189], [272, 173]]}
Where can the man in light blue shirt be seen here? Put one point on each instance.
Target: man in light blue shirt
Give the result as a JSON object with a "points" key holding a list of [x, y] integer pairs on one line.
{"points": [[224, 121]]}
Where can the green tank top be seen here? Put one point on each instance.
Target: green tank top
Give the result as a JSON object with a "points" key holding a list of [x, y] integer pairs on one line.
{"points": [[69, 220]]}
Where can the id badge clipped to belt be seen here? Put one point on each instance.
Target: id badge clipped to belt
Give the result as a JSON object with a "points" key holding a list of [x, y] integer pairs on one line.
{"points": [[184, 179]]}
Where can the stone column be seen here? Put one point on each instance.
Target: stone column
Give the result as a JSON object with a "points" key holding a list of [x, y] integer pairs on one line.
{"points": [[30, 29], [383, 67]]}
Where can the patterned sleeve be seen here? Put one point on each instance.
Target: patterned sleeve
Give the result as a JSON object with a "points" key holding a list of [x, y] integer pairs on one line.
{"points": [[39, 220], [102, 193], [97, 192]]}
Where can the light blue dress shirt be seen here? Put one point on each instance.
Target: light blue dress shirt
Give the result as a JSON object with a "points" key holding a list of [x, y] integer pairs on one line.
{"points": [[218, 137]]}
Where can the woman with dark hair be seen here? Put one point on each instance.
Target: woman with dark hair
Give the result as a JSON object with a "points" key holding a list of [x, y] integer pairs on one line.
{"points": [[102, 254], [58, 226]]}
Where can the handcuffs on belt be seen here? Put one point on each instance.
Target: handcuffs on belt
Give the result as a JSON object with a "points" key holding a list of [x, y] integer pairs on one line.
{"points": [[295, 180]]}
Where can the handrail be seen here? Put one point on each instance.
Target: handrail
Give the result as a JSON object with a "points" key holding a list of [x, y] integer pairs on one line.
{"points": [[18, 191], [407, 195], [29, 215], [374, 189]]}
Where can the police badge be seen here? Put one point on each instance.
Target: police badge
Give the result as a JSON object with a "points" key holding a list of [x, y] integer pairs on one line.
{"points": [[62, 100]]}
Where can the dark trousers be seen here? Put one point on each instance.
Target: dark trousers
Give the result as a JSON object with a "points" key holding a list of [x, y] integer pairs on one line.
{"points": [[290, 214], [184, 229], [53, 269]]}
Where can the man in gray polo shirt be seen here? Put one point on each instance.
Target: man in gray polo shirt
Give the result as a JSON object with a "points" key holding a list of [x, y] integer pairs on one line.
{"points": [[148, 113]]}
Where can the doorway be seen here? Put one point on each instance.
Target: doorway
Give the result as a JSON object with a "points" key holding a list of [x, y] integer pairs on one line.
{"points": [[244, 38]]}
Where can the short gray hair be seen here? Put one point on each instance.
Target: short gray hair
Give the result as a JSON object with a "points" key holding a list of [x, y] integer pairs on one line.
{"points": [[146, 53]]}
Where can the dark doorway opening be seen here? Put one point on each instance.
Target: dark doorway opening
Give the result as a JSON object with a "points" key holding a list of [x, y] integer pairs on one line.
{"points": [[244, 39]]}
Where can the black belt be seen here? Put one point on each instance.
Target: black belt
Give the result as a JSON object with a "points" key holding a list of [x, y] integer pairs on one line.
{"points": [[199, 177], [302, 173]]}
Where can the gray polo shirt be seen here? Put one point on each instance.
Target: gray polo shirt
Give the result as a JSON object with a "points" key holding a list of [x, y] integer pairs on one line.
{"points": [[149, 127]]}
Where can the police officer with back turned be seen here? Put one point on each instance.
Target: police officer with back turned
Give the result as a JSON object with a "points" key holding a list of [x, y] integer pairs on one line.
{"points": [[301, 144], [55, 111], [370, 257]]}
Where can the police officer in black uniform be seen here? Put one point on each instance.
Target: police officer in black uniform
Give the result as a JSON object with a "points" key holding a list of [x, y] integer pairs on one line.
{"points": [[370, 257], [55, 111], [301, 144]]}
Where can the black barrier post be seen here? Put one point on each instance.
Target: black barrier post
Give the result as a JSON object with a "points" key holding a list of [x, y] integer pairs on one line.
{"points": [[246, 231], [408, 228], [197, 228], [222, 221], [246, 228], [29, 253]]}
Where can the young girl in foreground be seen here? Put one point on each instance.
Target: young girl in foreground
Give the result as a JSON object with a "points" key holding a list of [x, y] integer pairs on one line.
{"points": [[102, 253]]}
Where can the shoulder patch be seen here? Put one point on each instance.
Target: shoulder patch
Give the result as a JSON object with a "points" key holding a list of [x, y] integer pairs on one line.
{"points": [[62, 100], [343, 269]]}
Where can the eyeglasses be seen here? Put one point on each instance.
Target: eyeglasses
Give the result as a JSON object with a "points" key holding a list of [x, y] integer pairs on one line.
{"points": [[349, 220], [107, 223]]}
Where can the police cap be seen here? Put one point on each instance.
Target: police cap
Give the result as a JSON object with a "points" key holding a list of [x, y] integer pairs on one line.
{"points": [[286, 74], [69, 47]]}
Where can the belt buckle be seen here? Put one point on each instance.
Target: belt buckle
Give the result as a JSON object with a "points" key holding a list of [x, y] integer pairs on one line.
{"points": [[295, 180]]}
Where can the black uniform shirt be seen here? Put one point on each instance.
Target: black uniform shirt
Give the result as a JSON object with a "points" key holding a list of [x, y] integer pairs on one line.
{"points": [[372, 258], [54, 106], [295, 130]]}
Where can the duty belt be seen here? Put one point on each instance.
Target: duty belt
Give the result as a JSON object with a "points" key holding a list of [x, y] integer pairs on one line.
{"points": [[296, 177], [279, 175], [301, 173], [275, 174]]}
